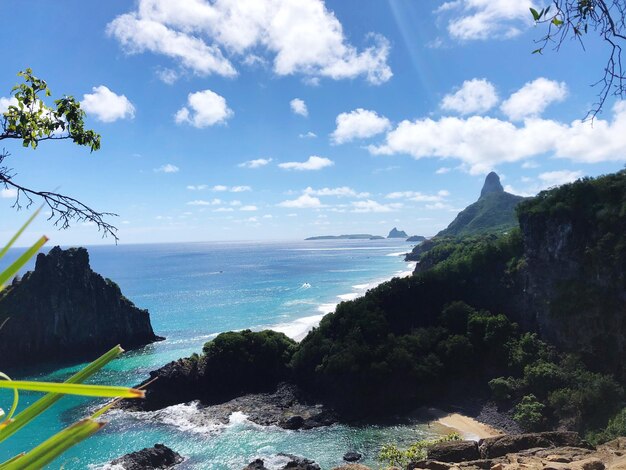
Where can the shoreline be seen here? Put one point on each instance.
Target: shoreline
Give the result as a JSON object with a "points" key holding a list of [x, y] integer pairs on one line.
{"points": [[298, 329], [468, 427]]}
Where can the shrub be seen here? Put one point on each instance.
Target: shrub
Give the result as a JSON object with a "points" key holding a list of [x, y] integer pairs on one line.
{"points": [[529, 413]]}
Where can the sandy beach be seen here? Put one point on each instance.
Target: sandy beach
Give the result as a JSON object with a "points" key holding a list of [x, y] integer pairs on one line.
{"points": [[469, 428]]}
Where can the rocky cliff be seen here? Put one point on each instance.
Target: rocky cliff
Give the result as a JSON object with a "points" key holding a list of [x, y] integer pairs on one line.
{"points": [[65, 311], [574, 274], [395, 233]]}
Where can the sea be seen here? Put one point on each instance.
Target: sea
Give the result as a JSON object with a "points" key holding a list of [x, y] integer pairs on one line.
{"points": [[194, 291]]}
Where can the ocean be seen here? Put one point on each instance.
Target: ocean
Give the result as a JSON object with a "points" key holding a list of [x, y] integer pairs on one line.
{"points": [[194, 291]]}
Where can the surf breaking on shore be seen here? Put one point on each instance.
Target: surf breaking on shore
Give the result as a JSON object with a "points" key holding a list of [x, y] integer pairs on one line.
{"points": [[300, 327]]}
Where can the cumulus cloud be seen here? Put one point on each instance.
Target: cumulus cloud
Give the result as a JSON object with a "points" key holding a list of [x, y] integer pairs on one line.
{"points": [[486, 19], [556, 178], [342, 191], [474, 96], [299, 107], [249, 208], [8, 193], [6, 102], [233, 189], [481, 143], [106, 106], [313, 163], [197, 187], [298, 37], [359, 124], [204, 108], [303, 202], [308, 135], [240, 189], [167, 168], [443, 170], [373, 206], [257, 163], [418, 196], [533, 98], [202, 202]]}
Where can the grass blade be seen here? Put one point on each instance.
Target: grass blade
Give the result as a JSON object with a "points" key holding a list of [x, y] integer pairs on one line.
{"points": [[21, 261], [16, 399], [101, 391], [50, 449], [3, 465], [45, 402], [19, 232]]}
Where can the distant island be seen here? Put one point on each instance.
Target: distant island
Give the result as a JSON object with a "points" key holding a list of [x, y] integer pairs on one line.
{"points": [[416, 238], [355, 236], [395, 233]]}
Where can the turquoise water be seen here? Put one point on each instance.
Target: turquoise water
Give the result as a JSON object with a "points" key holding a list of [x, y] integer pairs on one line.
{"points": [[193, 292]]}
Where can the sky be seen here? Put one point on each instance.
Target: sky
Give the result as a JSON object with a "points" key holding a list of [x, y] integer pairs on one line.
{"points": [[283, 119]]}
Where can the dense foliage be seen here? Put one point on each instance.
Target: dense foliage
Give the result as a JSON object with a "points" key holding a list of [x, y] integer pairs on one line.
{"points": [[392, 456], [246, 361]]}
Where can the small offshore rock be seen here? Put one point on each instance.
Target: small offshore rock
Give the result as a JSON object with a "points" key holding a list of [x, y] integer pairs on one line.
{"points": [[257, 464], [352, 456], [292, 423], [157, 457]]}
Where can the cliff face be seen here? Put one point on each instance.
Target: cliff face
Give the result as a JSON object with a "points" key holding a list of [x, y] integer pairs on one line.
{"points": [[63, 311], [575, 269]]}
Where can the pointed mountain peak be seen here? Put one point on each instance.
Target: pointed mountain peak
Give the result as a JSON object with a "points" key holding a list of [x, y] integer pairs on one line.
{"points": [[492, 184]]}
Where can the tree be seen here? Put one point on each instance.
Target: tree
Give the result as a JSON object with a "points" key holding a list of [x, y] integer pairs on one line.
{"points": [[30, 120], [575, 19]]}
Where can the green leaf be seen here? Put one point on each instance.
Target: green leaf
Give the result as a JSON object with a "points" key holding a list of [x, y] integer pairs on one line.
{"points": [[45, 402], [556, 21], [50, 449], [535, 14], [538, 51], [16, 399], [21, 261], [102, 391]]}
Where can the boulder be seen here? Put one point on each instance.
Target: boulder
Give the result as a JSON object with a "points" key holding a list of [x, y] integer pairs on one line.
{"points": [[506, 444], [157, 457], [454, 451], [352, 456]]}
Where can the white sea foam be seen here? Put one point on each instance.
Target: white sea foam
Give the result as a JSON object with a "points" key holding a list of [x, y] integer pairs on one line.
{"points": [[350, 296], [399, 253], [299, 328]]}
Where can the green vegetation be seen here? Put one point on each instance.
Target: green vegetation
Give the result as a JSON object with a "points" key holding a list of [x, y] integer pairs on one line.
{"points": [[392, 456], [12, 422], [492, 213], [246, 361]]}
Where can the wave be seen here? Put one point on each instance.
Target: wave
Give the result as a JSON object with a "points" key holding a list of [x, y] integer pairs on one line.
{"points": [[399, 253]]}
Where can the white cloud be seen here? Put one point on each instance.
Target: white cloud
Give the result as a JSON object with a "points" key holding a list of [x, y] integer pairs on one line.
{"points": [[248, 208], [313, 163], [556, 178], [481, 143], [167, 168], [342, 191], [220, 188], [359, 124], [224, 209], [197, 187], [202, 202], [486, 19], [107, 106], [257, 163], [417, 196], [303, 202], [299, 37], [308, 135], [299, 107], [373, 206], [6, 102], [8, 193], [533, 98], [204, 108], [474, 96], [240, 189], [443, 170], [168, 76]]}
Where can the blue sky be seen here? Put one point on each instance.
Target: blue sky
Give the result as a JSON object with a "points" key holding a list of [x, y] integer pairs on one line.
{"points": [[278, 119]]}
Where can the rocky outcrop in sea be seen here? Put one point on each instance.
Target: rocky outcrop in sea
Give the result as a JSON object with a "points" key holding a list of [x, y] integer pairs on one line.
{"points": [[64, 311], [157, 457]]}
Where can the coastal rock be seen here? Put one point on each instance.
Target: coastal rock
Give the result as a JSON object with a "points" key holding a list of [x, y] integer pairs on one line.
{"points": [[65, 311], [157, 457], [352, 456], [287, 462], [358, 466], [454, 451], [395, 233], [506, 444], [416, 238]]}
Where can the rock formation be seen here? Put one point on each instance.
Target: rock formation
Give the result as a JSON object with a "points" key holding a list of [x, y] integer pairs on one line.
{"points": [[493, 212], [157, 457], [64, 311], [395, 233]]}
